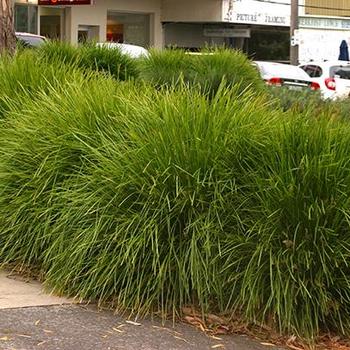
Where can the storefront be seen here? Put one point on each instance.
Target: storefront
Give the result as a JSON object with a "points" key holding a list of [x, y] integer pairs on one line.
{"points": [[260, 29], [134, 22]]}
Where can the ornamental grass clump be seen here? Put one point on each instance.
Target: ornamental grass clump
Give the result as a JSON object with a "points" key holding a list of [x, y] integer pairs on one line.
{"points": [[62, 130], [292, 268], [25, 75], [90, 57], [232, 66], [167, 68], [108, 60], [131, 184], [206, 70], [152, 199]]}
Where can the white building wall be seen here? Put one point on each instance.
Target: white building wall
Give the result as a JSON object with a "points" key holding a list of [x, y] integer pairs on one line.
{"points": [[192, 10], [318, 45]]}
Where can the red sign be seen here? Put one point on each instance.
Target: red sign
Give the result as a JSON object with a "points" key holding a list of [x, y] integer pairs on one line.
{"points": [[64, 2]]}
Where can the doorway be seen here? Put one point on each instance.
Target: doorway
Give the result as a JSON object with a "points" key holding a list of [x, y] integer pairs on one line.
{"points": [[51, 22]]}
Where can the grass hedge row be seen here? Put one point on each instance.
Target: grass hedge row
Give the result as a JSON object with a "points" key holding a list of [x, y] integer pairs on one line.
{"points": [[154, 198]]}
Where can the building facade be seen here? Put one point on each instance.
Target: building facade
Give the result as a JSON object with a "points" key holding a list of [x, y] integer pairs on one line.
{"points": [[323, 25], [260, 28], [135, 22]]}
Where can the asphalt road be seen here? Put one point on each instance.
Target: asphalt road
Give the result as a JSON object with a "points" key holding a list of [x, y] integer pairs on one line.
{"points": [[75, 327]]}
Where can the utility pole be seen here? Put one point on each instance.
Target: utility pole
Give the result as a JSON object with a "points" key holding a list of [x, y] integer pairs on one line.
{"points": [[294, 25]]}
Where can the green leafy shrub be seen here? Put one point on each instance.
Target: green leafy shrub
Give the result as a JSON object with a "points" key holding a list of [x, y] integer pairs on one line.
{"points": [[310, 102], [206, 70], [298, 101], [342, 109]]}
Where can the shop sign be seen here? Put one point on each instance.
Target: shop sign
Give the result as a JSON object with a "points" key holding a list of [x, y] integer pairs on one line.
{"points": [[324, 23], [257, 12], [64, 2], [217, 32]]}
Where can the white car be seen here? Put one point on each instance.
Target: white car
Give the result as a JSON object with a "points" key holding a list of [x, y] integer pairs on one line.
{"points": [[133, 51], [332, 76], [291, 77], [30, 40]]}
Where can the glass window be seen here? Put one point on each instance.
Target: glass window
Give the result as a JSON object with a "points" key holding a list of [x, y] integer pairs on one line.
{"points": [[342, 72], [128, 28], [313, 71], [26, 18]]}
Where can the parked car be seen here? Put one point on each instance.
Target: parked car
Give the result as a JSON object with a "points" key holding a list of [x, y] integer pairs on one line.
{"points": [[30, 40], [291, 77], [133, 51], [332, 76]]}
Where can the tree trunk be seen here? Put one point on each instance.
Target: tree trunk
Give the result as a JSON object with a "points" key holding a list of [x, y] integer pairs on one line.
{"points": [[7, 31]]}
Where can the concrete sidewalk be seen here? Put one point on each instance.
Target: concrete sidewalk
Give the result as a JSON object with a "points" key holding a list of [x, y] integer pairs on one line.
{"points": [[59, 325], [16, 291]]}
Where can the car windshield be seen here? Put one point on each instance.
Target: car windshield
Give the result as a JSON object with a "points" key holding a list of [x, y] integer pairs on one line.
{"points": [[342, 72], [31, 41]]}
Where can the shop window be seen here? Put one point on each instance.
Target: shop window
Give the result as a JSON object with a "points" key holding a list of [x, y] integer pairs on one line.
{"points": [[26, 18], [128, 28], [271, 44], [88, 33]]}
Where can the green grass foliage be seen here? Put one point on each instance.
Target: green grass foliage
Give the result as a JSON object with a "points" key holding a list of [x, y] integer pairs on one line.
{"points": [[91, 57], [205, 70], [157, 198], [26, 75]]}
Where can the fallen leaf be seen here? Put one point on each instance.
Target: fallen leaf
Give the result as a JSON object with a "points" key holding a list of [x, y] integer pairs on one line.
{"points": [[294, 347], [181, 339], [222, 330], [218, 346], [118, 330], [201, 327], [133, 323], [187, 310], [167, 330], [5, 338], [215, 319], [120, 326], [41, 343], [23, 335], [37, 322]]}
